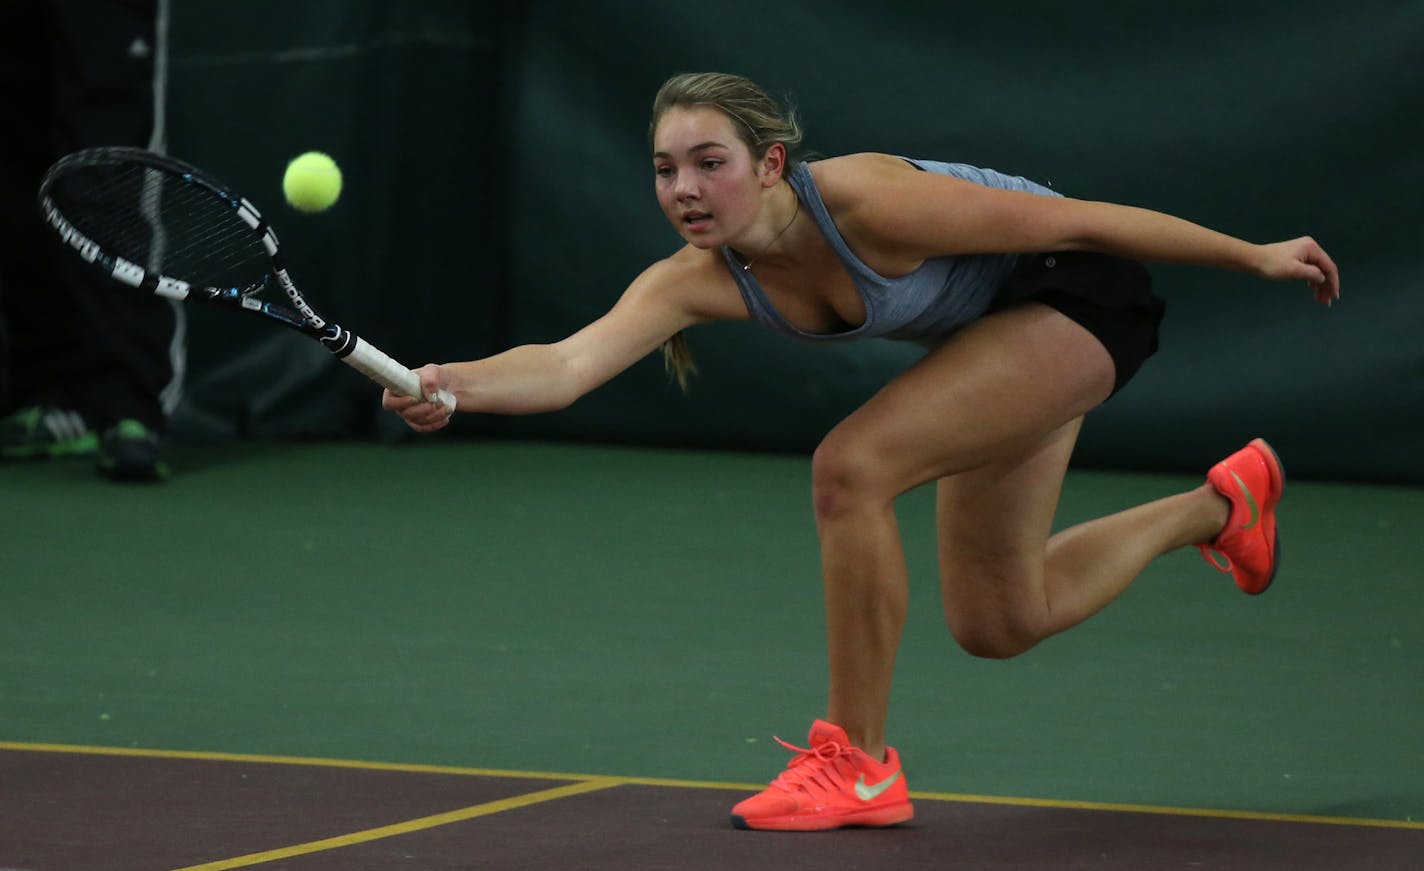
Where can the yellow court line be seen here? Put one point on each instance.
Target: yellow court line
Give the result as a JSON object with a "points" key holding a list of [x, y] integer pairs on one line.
{"points": [[408, 826], [1211, 813], [612, 780], [265, 759]]}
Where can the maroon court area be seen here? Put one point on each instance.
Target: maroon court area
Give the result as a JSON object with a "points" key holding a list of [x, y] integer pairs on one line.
{"points": [[61, 811]]}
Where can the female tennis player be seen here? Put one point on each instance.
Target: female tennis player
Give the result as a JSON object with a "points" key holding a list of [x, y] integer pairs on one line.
{"points": [[1034, 310]]}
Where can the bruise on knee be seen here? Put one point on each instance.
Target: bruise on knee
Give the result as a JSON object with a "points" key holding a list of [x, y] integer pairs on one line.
{"points": [[844, 478]]}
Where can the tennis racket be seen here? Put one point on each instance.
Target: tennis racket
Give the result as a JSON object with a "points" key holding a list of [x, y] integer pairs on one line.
{"points": [[162, 226]]}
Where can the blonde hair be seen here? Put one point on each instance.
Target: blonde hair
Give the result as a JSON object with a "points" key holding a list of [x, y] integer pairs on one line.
{"points": [[759, 121]]}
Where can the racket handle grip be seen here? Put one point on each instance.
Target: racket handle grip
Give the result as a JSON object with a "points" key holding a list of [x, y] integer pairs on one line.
{"points": [[382, 369]]}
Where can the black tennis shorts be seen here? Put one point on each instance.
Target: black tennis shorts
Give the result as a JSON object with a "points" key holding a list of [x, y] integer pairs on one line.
{"points": [[1108, 296]]}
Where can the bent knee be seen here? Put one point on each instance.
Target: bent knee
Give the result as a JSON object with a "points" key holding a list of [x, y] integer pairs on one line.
{"points": [[846, 476], [996, 636]]}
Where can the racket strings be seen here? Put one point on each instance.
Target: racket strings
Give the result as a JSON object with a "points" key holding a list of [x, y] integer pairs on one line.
{"points": [[163, 223]]}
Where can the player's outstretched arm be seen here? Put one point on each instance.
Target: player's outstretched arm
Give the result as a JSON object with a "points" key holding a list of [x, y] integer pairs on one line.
{"points": [[898, 209], [535, 378]]}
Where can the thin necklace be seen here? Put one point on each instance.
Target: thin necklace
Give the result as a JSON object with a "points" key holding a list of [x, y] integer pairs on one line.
{"points": [[747, 267]]}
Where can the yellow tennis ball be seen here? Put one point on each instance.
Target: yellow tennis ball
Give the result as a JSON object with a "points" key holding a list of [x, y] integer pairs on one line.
{"points": [[312, 182]]}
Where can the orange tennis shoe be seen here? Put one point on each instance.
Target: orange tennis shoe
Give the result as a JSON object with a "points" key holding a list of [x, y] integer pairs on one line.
{"points": [[1252, 480], [828, 786]]}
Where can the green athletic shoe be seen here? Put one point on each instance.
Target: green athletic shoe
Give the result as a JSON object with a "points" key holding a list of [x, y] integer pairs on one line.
{"points": [[130, 451], [39, 431]]}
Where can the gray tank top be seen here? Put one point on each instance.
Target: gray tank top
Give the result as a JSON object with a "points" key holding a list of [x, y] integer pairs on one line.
{"points": [[939, 297]]}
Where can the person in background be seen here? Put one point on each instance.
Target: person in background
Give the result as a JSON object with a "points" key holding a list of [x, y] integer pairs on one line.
{"points": [[85, 368]]}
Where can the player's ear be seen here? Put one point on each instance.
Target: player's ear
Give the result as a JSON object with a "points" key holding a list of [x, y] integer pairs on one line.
{"points": [[772, 164]]}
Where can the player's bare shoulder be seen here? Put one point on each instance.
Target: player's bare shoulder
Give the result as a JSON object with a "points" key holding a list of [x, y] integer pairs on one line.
{"points": [[855, 181], [697, 282], [865, 194]]}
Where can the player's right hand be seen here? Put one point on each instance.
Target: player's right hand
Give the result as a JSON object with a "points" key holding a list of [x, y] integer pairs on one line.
{"points": [[421, 415]]}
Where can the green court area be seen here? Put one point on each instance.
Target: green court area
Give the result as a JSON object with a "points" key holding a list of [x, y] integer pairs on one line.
{"points": [[643, 613]]}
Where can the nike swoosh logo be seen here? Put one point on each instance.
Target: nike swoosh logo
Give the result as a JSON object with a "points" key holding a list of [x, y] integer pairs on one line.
{"points": [[868, 792], [1250, 501]]}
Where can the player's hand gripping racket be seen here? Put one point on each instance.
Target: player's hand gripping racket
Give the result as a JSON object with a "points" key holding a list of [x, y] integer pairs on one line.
{"points": [[165, 227]]}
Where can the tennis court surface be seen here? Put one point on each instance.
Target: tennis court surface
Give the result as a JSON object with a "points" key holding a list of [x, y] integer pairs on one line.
{"points": [[552, 656], [70, 807]]}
